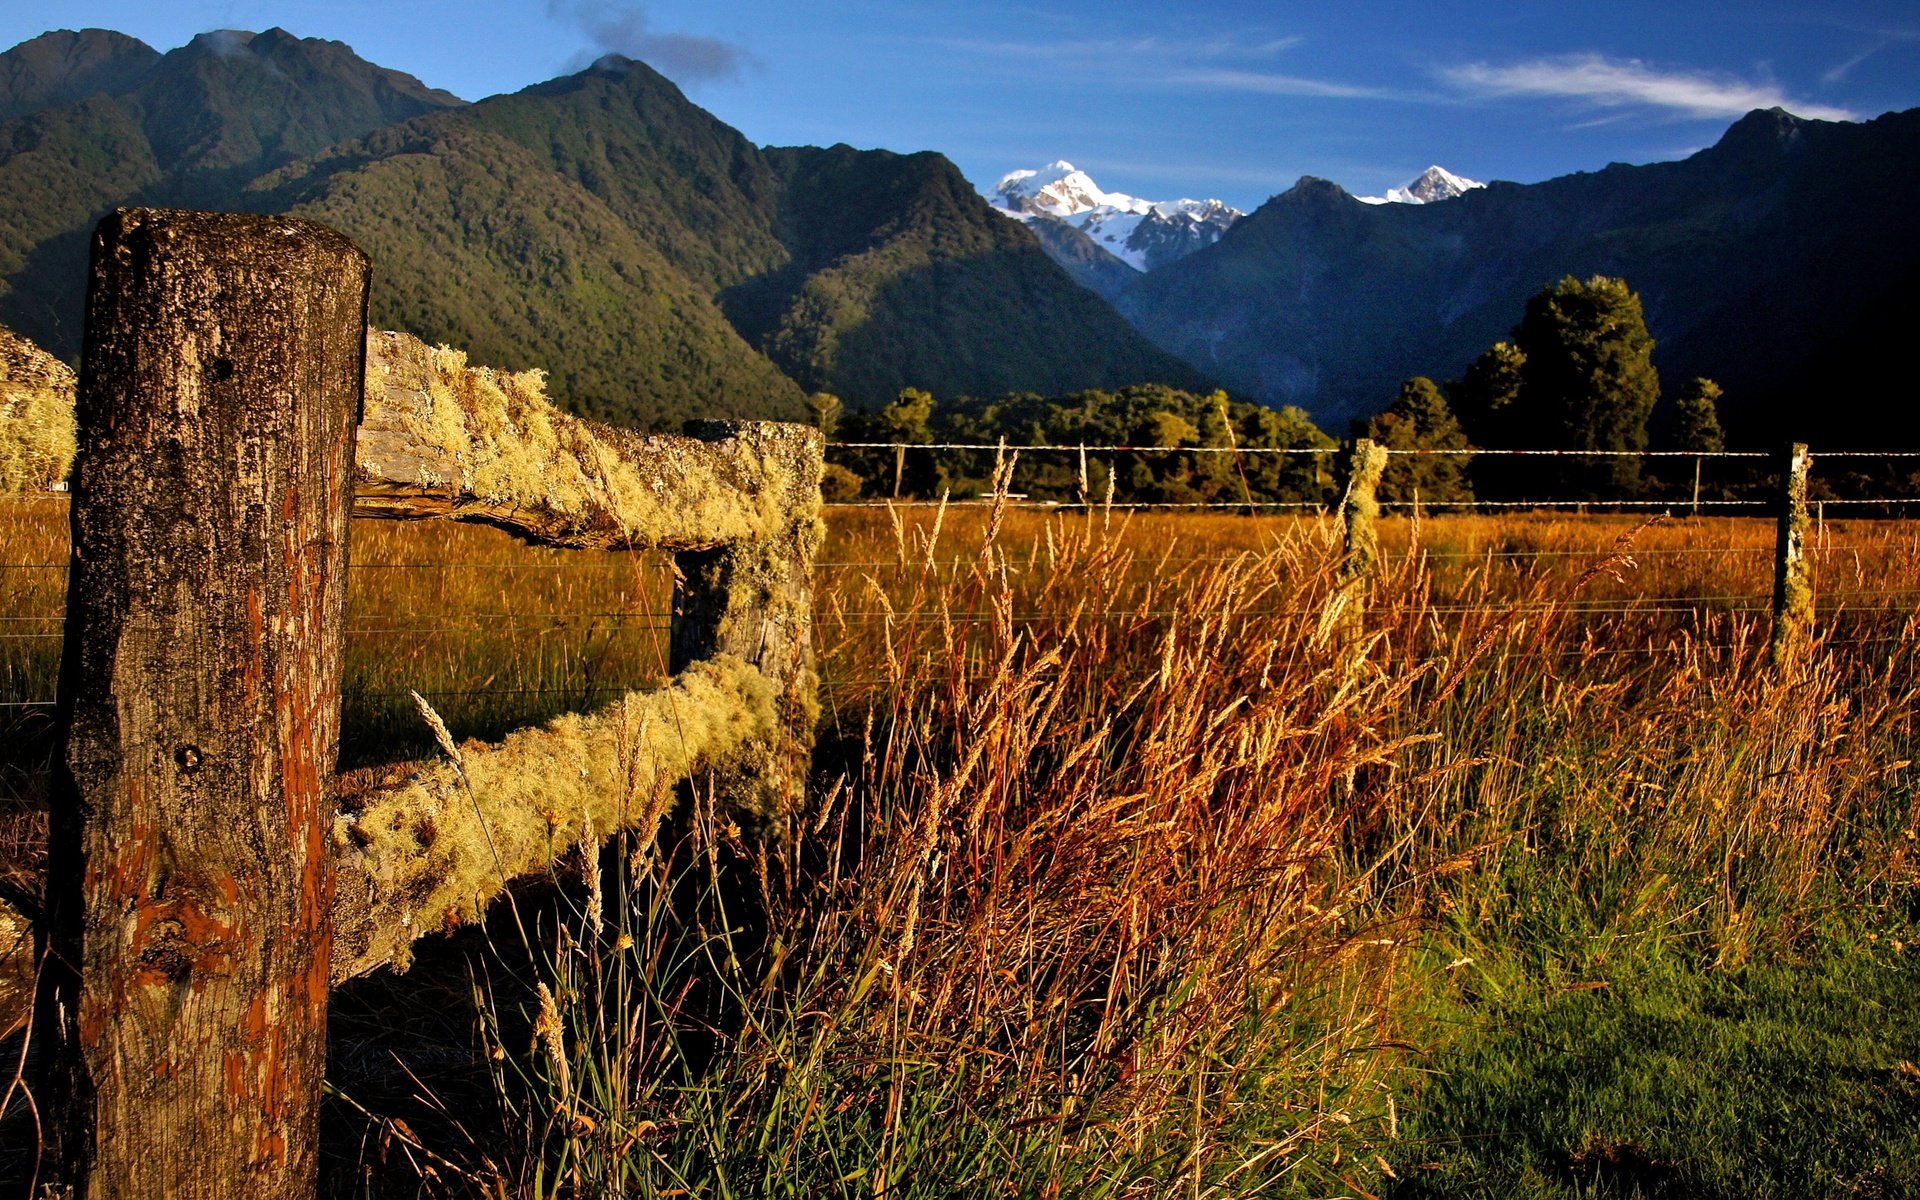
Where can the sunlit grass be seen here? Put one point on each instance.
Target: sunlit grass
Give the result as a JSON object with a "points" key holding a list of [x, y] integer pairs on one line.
{"points": [[1115, 882]]}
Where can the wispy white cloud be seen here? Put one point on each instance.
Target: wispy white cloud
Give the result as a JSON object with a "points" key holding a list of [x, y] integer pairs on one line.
{"points": [[1616, 83], [1840, 72], [1268, 83], [1129, 50], [1229, 63]]}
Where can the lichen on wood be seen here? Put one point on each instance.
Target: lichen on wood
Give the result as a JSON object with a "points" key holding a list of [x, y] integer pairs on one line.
{"points": [[427, 846], [739, 504], [1344, 621], [37, 436], [1792, 579], [442, 438]]}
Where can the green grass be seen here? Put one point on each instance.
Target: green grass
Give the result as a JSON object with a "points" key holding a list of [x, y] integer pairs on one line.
{"points": [[1789, 1078]]}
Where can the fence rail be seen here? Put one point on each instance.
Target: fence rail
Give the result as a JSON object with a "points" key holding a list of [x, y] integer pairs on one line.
{"points": [[209, 878]]}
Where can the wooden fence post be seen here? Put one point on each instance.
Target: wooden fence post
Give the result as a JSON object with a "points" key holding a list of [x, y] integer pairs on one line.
{"points": [[191, 850], [1792, 584], [755, 600], [1359, 510]]}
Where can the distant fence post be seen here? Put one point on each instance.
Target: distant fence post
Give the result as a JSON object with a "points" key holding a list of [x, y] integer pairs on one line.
{"points": [[184, 999], [1359, 510], [754, 599], [1792, 583]]}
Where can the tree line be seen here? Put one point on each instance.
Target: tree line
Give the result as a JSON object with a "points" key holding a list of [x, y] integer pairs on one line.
{"points": [[1577, 374]]}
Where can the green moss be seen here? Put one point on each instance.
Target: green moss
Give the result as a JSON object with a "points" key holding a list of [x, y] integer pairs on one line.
{"points": [[433, 850], [37, 438], [495, 449]]}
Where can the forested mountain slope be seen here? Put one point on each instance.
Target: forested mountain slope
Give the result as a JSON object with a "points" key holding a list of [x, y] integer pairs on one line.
{"points": [[1781, 261], [600, 226]]}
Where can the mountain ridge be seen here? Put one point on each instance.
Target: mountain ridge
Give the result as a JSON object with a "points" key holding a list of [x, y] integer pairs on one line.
{"points": [[1754, 257], [598, 225]]}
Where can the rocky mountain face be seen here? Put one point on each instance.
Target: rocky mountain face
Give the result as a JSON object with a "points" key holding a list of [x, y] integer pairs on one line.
{"points": [[1143, 234], [599, 226], [1782, 262]]}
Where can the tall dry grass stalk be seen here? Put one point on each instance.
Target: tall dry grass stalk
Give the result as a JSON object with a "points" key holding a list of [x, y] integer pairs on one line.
{"points": [[1114, 881], [1071, 917]]}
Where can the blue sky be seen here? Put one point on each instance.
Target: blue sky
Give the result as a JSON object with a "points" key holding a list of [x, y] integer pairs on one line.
{"points": [[1227, 98]]}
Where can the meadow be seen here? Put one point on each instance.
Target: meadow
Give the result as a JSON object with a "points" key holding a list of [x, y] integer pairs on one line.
{"points": [[1119, 878]]}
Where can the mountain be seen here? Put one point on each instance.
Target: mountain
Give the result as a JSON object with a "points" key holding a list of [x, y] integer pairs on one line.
{"points": [[1434, 183], [1782, 262], [100, 120], [1083, 260], [600, 226], [64, 66], [903, 277], [1143, 234], [476, 245]]}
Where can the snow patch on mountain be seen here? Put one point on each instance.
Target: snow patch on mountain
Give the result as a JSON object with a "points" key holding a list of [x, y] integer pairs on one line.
{"points": [[1433, 184], [1144, 234]]}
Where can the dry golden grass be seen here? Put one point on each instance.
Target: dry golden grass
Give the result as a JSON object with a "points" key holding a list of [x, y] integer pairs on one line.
{"points": [[1112, 868]]}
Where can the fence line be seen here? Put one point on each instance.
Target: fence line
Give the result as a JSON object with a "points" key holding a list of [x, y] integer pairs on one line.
{"points": [[1423, 452], [1141, 505], [260, 324]]}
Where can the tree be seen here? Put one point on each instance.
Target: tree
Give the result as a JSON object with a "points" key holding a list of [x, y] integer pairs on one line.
{"points": [[1419, 419], [1486, 398], [827, 411], [909, 419], [1696, 418], [1588, 381]]}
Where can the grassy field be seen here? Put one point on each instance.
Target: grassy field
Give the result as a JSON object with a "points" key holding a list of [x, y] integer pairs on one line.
{"points": [[1118, 879]]}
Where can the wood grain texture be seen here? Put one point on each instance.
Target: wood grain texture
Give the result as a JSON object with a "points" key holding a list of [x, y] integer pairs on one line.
{"points": [[192, 851]]}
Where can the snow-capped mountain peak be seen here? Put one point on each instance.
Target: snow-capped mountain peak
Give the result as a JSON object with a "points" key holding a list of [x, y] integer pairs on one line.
{"points": [[1141, 233], [1058, 189], [1434, 183]]}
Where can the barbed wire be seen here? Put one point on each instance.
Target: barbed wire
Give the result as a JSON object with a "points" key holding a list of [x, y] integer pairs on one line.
{"points": [[1145, 558], [1466, 452], [1320, 506], [832, 681]]}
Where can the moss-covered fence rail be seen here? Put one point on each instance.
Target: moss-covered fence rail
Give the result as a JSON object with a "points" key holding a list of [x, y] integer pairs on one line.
{"points": [[210, 877]]}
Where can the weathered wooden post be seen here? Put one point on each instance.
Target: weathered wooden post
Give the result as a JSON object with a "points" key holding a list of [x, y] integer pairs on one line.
{"points": [[191, 852], [754, 599], [1359, 510], [1792, 583]]}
